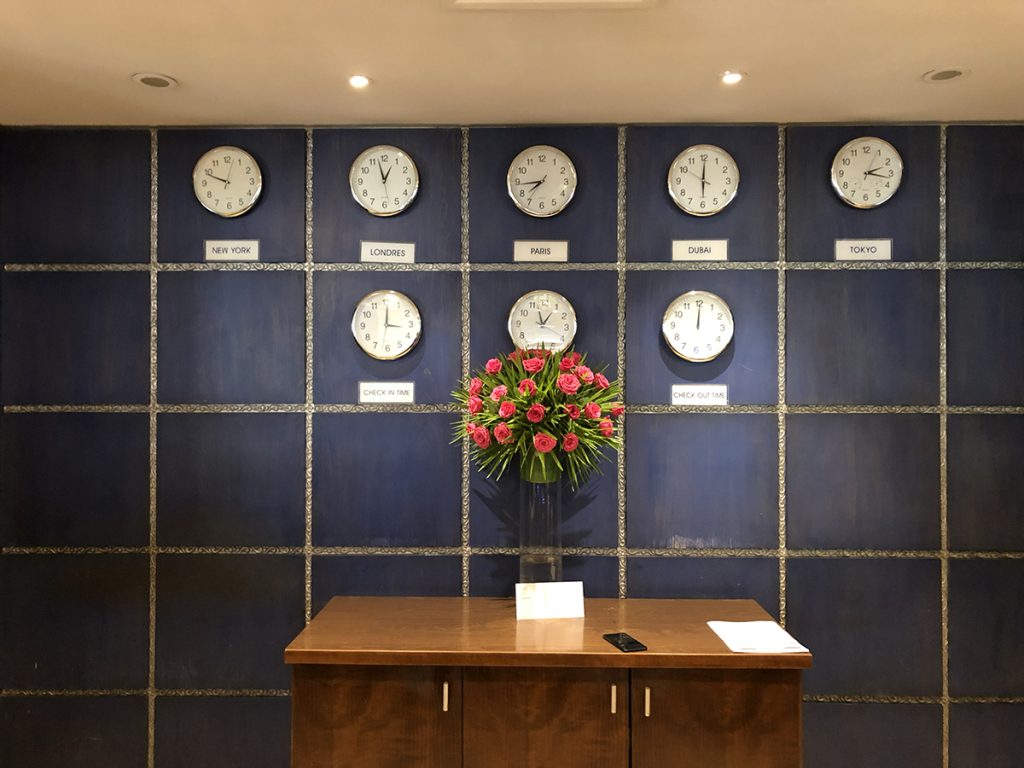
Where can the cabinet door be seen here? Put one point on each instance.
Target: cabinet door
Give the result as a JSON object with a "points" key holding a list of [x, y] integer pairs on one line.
{"points": [[721, 718], [545, 717], [376, 717]]}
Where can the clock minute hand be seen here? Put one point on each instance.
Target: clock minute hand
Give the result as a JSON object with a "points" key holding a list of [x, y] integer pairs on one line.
{"points": [[218, 178]]}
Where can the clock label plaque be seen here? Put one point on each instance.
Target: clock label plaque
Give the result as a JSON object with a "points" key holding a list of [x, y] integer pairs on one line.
{"points": [[387, 392], [540, 250], [700, 250], [864, 250], [231, 250], [387, 253], [700, 394]]}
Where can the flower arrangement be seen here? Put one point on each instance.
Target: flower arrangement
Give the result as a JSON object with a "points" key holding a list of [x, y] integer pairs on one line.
{"points": [[548, 412]]}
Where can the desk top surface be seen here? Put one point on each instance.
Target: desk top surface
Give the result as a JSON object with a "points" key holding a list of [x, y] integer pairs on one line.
{"points": [[482, 631]]}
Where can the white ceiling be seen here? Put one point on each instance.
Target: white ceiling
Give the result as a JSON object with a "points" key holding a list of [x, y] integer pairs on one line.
{"points": [[262, 62]]}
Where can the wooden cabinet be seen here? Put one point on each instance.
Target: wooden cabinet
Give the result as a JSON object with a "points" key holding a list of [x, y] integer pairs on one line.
{"points": [[527, 717], [448, 682], [717, 718], [376, 717]]}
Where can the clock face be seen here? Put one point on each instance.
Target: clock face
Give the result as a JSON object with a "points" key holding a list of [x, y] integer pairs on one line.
{"points": [[541, 180], [384, 180], [542, 320], [697, 326], [703, 179], [386, 324], [227, 181], [866, 172]]}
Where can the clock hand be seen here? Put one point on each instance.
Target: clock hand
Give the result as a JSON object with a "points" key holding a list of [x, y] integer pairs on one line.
{"points": [[703, 177], [227, 181], [872, 173], [698, 316], [548, 317], [218, 178], [386, 175], [540, 318]]}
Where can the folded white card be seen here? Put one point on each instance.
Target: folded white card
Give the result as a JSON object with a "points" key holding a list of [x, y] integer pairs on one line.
{"points": [[756, 637], [549, 600]]}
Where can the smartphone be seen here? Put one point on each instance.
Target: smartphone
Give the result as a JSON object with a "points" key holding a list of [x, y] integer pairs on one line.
{"points": [[625, 643]]}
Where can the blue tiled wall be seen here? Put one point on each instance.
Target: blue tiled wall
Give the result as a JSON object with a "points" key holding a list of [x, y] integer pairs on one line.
{"points": [[175, 434]]}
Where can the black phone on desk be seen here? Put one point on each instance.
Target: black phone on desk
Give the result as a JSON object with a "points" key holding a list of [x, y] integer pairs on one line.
{"points": [[624, 642]]}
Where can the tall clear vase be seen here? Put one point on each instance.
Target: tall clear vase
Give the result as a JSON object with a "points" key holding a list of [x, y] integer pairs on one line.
{"points": [[540, 523]]}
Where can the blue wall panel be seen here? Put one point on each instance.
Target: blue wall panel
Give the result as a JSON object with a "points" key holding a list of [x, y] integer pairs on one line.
{"points": [[749, 222], [432, 222]]}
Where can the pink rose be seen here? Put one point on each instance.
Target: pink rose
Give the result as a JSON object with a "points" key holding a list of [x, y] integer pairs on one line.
{"points": [[606, 427], [574, 359], [470, 427], [600, 381], [569, 442], [515, 354], [592, 411], [482, 437], [566, 364], [568, 384], [506, 409], [528, 387], [572, 410], [475, 404], [618, 409], [535, 413], [493, 366], [533, 364], [584, 374], [499, 392], [544, 442], [475, 385], [502, 433]]}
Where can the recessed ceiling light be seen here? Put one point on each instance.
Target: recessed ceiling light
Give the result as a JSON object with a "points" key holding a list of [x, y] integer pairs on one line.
{"points": [[154, 80], [945, 74], [731, 78], [359, 81]]}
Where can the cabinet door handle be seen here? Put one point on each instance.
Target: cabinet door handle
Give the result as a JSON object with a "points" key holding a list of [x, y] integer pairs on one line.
{"points": [[647, 701], [444, 698], [614, 697]]}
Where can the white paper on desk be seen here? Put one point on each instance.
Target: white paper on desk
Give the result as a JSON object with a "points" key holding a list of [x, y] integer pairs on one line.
{"points": [[756, 637], [549, 600]]}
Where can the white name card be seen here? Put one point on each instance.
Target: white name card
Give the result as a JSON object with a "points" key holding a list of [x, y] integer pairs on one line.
{"points": [[387, 392], [700, 250], [540, 250], [549, 600], [232, 250], [700, 394], [387, 253], [864, 250]]}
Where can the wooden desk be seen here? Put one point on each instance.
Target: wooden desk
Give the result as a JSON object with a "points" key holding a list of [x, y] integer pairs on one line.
{"points": [[459, 682]]}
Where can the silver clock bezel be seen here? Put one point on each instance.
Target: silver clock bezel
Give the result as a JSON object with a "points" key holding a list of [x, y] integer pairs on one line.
{"points": [[835, 181], [685, 153], [557, 348], [690, 295], [255, 195], [399, 295], [572, 175], [352, 177]]}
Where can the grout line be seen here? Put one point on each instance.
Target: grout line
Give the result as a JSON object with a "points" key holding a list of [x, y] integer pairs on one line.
{"points": [[153, 391], [781, 372], [579, 266], [943, 447], [464, 304], [308, 408], [620, 347]]}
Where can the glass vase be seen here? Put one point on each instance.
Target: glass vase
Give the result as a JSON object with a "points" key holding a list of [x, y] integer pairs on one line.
{"points": [[540, 523]]}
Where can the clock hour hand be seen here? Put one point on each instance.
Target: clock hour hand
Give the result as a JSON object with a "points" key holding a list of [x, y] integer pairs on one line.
{"points": [[384, 176], [872, 172]]}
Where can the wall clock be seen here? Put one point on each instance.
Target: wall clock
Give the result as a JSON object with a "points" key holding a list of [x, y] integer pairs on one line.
{"points": [[541, 180], [386, 324], [703, 179], [866, 172], [227, 181], [697, 326], [542, 319], [384, 180]]}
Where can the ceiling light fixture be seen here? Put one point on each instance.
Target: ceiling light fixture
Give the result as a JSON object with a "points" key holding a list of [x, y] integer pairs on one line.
{"points": [[359, 81], [945, 74], [154, 80], [731, 78]]}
